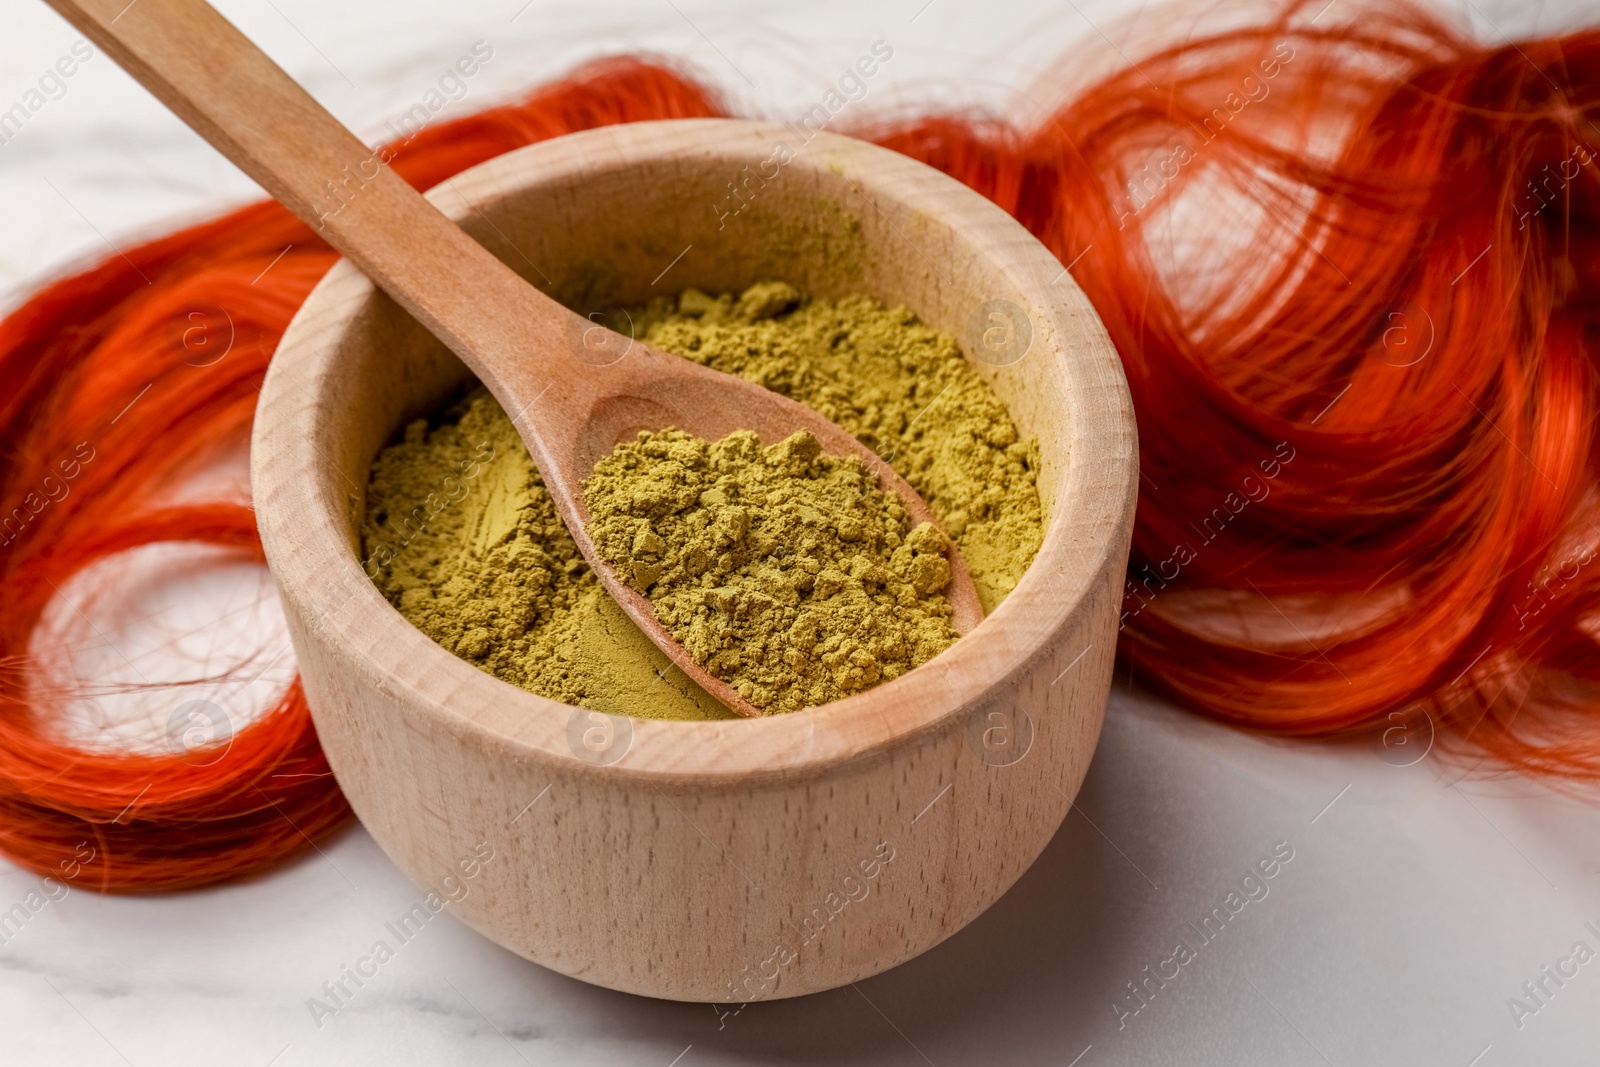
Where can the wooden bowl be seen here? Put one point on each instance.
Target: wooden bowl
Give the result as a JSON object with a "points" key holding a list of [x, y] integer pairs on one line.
{"points": [[736, 860]]}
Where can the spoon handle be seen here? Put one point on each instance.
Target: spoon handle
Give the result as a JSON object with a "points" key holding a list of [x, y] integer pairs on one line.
{"points": [[229, 91]]}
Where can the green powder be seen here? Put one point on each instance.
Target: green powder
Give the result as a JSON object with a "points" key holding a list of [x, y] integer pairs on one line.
{"points": [[785, 572], [464, 541]]}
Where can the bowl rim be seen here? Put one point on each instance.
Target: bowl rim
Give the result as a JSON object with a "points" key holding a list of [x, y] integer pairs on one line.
{"points": [[304, 530]]}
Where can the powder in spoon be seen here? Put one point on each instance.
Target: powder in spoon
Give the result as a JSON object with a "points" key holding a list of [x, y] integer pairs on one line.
{"points": [[786, 572], [462, 538]]}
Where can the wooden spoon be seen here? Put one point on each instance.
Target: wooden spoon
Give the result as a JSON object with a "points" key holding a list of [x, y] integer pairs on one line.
{"points": [[573, 389]]}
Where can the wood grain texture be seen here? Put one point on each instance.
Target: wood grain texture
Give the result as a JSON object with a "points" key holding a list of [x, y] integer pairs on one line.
{"points": [[518, 341], [717, 861]]}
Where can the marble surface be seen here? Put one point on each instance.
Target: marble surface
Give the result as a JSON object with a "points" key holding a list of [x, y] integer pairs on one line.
{"points": [[1417, 899]]}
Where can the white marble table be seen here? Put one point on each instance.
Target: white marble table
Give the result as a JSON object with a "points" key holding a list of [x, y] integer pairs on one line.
{"points": [[1417, 901]]}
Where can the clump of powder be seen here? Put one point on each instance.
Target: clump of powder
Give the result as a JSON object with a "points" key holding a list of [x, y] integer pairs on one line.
{"points": [[487, 569], [785, 572], [900, 387]]}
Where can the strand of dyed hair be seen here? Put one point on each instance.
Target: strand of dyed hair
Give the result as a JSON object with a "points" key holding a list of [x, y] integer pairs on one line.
{"points": [[1347, 265]]}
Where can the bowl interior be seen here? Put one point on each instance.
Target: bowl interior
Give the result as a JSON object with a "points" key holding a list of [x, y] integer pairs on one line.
{"points": [[596, 224]]}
